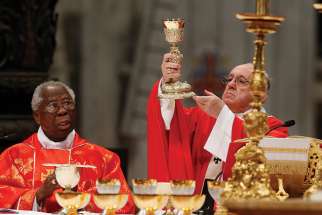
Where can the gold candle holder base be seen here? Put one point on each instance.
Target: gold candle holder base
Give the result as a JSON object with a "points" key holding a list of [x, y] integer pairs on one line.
{"points": [[110, 202], [72, 201]]}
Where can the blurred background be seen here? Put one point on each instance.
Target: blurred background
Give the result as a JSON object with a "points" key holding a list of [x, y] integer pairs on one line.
{"points": [[110, 51]]}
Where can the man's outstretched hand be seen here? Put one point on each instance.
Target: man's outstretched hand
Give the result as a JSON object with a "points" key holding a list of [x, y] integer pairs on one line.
{"points": [[210, 103]]}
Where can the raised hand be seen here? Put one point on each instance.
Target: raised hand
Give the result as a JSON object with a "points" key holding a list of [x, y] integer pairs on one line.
{"points": [[171, 72], [210, 103]]}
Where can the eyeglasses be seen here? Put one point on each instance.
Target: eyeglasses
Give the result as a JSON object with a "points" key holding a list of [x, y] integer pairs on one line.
{"points": [[53, 107], [239, 81]]}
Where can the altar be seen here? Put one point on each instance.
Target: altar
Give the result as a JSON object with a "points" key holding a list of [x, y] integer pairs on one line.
{"points": [[270, 207]]}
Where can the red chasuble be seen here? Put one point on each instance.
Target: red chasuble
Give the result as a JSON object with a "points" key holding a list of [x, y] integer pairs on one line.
{"points": [[22, 172], [178, 153]]}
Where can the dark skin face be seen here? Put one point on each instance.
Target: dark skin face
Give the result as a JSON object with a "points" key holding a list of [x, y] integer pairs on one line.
{"points": [[56, 113], [56, 116]]}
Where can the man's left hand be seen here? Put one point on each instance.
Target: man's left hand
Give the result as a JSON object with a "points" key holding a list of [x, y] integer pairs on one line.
{"points": [[210, 103]]}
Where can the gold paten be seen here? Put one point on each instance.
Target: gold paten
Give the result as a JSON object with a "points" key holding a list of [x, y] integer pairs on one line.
{"points": [[173, 29], [250, 177]]}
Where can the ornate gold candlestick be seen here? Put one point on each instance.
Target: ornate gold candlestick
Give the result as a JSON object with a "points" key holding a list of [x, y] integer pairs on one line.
{"points": [[250, 177], [315, 190], [173, 30]]}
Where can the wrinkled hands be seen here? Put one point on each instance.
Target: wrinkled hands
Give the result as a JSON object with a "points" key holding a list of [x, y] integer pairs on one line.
{"points": [[170, 71], [47, 188], [210, 103]]}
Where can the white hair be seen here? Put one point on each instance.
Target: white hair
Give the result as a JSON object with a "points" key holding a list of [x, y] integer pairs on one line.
{"points": [[37, 97], [250, 67]]}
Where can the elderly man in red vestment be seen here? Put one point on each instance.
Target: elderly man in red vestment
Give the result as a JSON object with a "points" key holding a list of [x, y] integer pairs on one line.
{"points": [[25, 183], [197, 143]]}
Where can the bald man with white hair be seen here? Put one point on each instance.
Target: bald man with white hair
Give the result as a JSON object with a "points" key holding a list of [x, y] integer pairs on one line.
{"points": [[196, 143]]}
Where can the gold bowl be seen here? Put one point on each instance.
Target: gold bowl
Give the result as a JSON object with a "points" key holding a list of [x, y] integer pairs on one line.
{"points": [[182, 187], [108, 186], [75, 200], [173, 29], [188, 203], [110, 201], [150, 202], [144, 186]]}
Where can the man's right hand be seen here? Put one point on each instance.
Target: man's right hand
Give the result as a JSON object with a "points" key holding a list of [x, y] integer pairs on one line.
{"points": [[170, 71], [47, 188]]}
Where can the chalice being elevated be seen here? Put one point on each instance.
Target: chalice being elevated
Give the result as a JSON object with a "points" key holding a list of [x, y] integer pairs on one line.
{"points": [[67, 176], [108, 197], [173, 29]]}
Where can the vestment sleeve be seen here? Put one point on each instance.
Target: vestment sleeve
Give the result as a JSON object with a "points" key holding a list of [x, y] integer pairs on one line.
{"points": [[15, 191], [169, 151]]}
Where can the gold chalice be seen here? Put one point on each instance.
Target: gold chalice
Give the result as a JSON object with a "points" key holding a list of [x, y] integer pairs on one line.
{"points": [[182, 196], [67, 176], [110, 202], [108, 197], [215, 189], [173, 29], [72, 201], [182, 187], [144, 186], [108, 186], [145, 196], [187, 204]]}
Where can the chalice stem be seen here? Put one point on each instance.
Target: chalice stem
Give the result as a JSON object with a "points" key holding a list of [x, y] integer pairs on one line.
{"points": [[186, 212], [109, 211], [149, 211], [72, 210]]}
